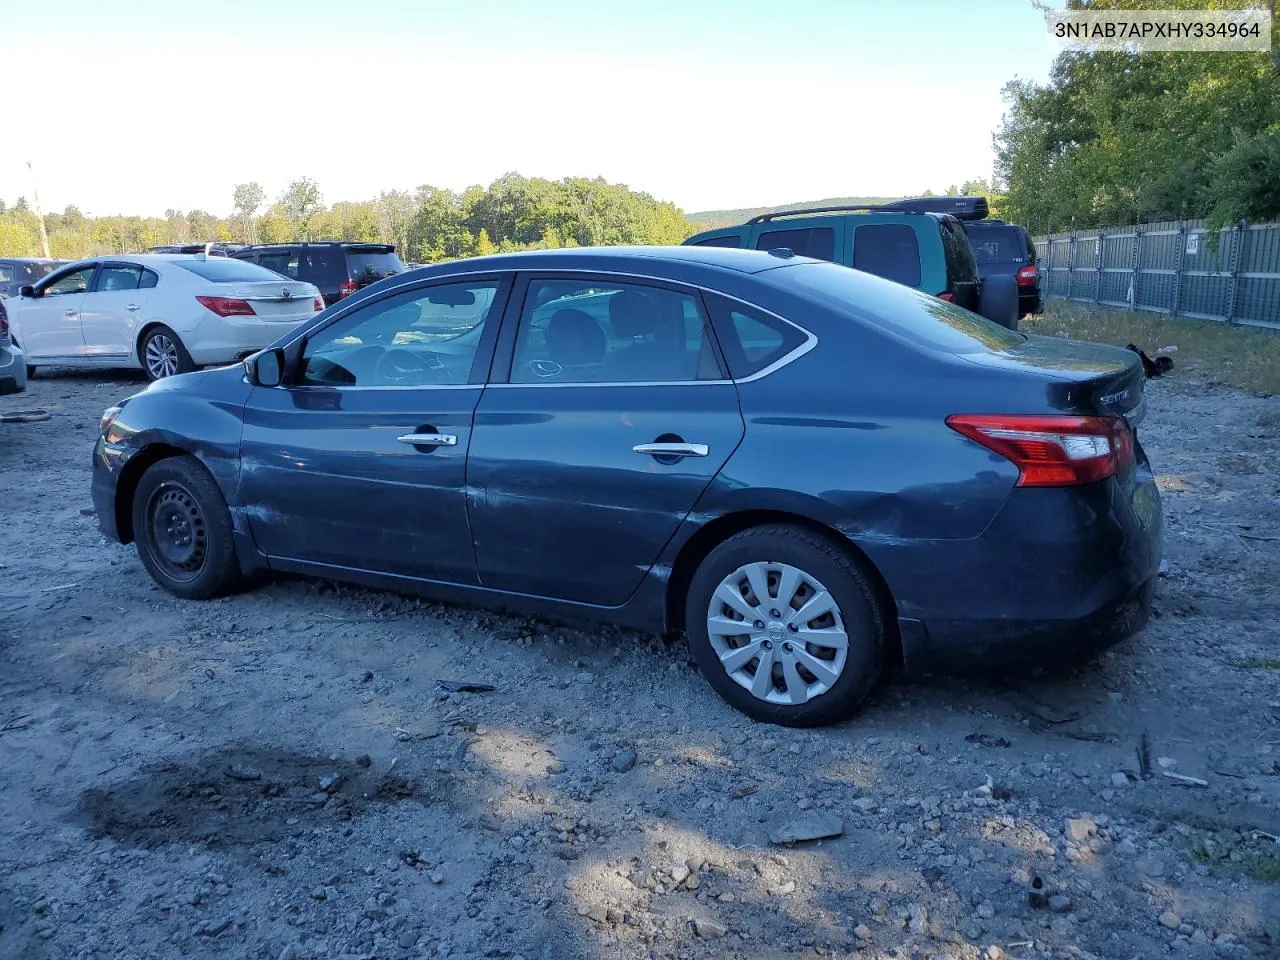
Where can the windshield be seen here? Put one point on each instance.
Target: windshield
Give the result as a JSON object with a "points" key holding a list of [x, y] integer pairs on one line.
{"points": [[901, 310], [226, 270]]}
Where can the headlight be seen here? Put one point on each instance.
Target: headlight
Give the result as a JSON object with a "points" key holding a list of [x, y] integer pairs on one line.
{"points": [[108, 417]]}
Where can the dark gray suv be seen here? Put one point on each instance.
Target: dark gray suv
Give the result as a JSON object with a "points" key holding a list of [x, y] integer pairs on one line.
{"points": [[19, 272]]}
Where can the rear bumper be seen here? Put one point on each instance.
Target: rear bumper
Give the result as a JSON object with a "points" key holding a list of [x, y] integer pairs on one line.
{"points": [[1059, 574], [224, 340], [13, 370]]}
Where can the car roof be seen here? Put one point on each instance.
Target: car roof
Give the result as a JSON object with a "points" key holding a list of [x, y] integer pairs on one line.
{"points": [[617, 259]]}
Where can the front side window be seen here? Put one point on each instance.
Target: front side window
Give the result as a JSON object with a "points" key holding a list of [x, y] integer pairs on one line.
{"points": [[427, 337], [575, 331], [75, 282], [118, 276], [888, 250]]}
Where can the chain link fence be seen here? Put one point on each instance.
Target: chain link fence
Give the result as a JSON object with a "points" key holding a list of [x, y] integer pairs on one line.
{"points": [[1169, 268]]}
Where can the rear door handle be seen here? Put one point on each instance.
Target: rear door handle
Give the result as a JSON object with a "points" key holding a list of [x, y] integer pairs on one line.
{"points": [[69, 313], [429, 439], [673, 449], [132, 306]]}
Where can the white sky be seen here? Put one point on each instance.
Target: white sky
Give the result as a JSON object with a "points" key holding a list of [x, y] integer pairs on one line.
{"points": [[137, 106]]}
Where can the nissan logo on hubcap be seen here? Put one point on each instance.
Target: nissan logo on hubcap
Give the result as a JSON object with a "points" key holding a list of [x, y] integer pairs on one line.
{"points": [[777, 631]]}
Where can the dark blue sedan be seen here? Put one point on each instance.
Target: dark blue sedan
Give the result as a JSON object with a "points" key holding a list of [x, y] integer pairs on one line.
{"points": [[811, 472]]}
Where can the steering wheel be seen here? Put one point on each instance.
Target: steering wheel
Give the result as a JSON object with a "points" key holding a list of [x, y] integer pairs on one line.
{"points": [[404, 367]]}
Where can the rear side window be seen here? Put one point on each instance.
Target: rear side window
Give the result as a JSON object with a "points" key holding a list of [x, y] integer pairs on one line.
{"points": [[888, 250], [733, 240], [961, 266], [751, 339], [366, 267], [149, 279], [226, 270], [118, 276], [997, 244], [817, 242]]}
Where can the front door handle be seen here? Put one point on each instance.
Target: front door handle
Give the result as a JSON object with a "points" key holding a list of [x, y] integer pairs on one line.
{"points": [[132, 306], [673, 449], [69, 313], [429, 439]]}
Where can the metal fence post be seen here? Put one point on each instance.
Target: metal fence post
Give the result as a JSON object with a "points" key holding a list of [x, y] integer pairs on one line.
{"points": [[1134, 263], [1177, 269], [1233, 267], [1071, 260], [1097, 266]]}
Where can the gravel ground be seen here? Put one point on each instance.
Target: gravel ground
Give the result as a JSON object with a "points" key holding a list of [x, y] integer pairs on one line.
{"points": [[281, 774]]}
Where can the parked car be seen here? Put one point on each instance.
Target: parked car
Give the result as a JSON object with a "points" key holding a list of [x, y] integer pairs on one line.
{"points": [[214, 248], [16, 272], [162, 313], [13, 371], [917, 242], [811, 471], [1000, 247], [337, 269]]}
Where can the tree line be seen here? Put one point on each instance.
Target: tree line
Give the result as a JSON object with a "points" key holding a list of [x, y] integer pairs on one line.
{"points": [[428, 225], [1116, 138]]}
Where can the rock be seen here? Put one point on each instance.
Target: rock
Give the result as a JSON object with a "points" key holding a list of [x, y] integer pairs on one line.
{"points": [[1037, 893], [624, 759], [331, 782], [919, 922], [986, 910], [865, 805], [862, 932], [993, 952], [709, 929], [437, 876], [810, 826], [555, 767], [1119, 779], [784, 889], [366, 676], [1060, 903], [679, 874], [408, 940], [1170, 919], [237, 772], [364, 760], [1081, 829], [213, 928], [292, 952]]}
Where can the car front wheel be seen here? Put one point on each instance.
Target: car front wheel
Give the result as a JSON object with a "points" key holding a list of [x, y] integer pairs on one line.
{"points": [[182, 530], [163, 354], [786, 626]]}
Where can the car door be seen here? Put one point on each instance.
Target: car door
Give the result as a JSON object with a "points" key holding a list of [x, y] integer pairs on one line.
{"points": [[613, 415], [359, 461], [50, 322], [113, 308]]}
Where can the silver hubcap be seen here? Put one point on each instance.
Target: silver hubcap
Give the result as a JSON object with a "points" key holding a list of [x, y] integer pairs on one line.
{"points": [[777, 632], [162, 356]]}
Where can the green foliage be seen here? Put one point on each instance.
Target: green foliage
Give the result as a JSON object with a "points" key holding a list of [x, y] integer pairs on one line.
{"points": [[1117, 138], [429, 225]]}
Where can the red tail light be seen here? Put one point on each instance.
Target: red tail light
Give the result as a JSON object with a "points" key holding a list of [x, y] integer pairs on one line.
{"points": [[228, 306], [319, 304], [1053, 451], [346, 288], [947, 297], [1028, 275]]}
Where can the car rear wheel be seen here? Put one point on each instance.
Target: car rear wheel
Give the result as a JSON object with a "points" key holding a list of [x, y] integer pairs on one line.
{"points": [[786, 626], [163, 355], [182, 529]]}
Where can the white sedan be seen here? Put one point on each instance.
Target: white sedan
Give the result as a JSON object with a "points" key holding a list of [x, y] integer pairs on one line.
{"points": [[164, 314]]}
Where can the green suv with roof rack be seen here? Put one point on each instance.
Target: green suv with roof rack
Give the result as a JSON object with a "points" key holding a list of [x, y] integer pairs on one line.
{"points": [[917, 242]]}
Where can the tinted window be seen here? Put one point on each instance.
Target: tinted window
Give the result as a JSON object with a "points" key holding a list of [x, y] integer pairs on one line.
{"points": [[423, 338], [819, 242], [961, 267], [149, 279], [730, 241], [585, 332], [285, 264], [226, 270], [752, 340], [8, 272], [364, 267], [997, 244], [118, 277], [76, 282], [888, 250], [908, 313]]}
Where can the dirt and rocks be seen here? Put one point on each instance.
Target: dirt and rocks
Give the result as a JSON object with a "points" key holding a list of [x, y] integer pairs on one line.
{"points": [[282, 774]]}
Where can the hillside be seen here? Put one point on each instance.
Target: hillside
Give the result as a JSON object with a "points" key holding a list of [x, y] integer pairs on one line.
{"points": [[707, 219]]}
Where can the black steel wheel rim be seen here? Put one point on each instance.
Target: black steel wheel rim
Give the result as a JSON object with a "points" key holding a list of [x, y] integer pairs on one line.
{"points": [[177, 535]]}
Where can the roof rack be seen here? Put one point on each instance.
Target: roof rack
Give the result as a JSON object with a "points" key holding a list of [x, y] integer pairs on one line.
{"points": [[838, 208], [962, 208]]}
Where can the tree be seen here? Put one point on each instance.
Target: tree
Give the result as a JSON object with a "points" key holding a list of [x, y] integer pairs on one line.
{"points": [[21, 205], [245, 200], [299, 203]]}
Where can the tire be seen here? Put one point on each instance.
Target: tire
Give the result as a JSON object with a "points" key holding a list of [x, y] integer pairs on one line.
{"points": [[998, 300], [182, 530], [818, 562], [162, 354]]}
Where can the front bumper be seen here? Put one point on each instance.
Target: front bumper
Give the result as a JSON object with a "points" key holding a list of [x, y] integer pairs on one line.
{"points": [[102, 488], [1058, 575]]}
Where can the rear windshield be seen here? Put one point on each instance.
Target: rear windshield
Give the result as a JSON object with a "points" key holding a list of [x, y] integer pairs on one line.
{"points": [[898, 309], [364, 267], [996, 244], [226, 270]]}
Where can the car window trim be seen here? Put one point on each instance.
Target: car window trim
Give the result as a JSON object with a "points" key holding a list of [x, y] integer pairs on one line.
{"points": [[504, 355], [104, 265], [296, 347], [52, 278]]}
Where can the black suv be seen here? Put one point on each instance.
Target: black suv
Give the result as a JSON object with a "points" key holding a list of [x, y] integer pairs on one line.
{"points": [[338, 269], [19, 272], [1006, 248]]}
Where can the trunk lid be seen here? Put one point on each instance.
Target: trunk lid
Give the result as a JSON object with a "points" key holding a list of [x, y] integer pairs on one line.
{"points": [[276, 300]]}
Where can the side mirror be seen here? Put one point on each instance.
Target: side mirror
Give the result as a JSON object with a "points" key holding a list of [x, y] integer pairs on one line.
{"points": [[26, 290], [265, 369]]}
